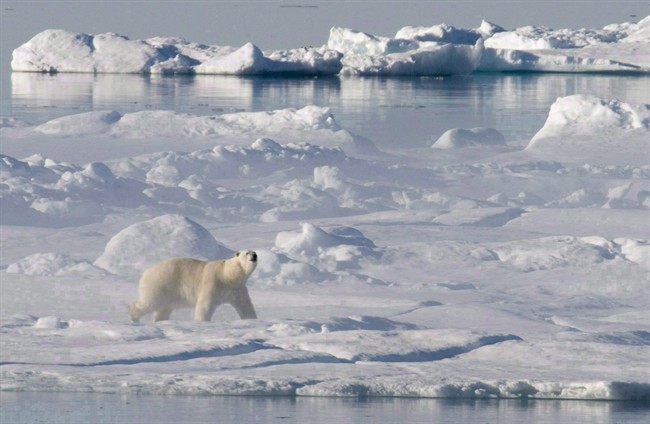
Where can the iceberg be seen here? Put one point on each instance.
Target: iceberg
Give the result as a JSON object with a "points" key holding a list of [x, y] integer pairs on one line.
{"points": [[65, 51], [366, 54]]}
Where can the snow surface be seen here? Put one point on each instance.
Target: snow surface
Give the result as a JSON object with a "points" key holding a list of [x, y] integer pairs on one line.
{"points": [[524, 274], [437, 50]]}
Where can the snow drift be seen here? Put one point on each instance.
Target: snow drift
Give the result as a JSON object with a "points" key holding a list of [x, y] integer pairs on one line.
{"points": [[140, 245]]}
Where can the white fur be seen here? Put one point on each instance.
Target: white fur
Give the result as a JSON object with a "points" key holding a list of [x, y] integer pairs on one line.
{"points": [[184, 282]]}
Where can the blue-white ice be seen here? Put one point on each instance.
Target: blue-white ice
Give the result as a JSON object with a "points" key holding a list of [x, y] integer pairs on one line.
{"points": [[437, 50]]}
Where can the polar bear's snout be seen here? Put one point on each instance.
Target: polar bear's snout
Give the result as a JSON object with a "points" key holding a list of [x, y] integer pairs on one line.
{"points": [[251, 255]]}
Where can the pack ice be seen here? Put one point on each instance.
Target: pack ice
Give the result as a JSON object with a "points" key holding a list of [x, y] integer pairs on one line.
{"points": [[518, 272]]}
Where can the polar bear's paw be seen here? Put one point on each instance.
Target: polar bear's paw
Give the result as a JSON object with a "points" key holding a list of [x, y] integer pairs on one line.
{"points": [[134, 313]]}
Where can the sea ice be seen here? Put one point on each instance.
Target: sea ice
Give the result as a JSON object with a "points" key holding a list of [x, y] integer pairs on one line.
{"points": [[366, 54], [515, 274], [437, 50], [65, 51]]}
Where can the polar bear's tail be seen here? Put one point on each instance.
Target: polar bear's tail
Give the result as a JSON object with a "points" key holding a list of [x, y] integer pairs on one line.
{"points": [[134, 313]]}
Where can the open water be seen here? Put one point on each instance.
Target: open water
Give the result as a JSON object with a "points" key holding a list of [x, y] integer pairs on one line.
{"points": [[392, 112], [84, 408]]}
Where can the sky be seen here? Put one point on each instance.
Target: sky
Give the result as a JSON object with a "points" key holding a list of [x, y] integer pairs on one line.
{"points": [[283, 24]]}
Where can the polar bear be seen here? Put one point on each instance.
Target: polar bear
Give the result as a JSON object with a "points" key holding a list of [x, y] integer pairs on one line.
{"points": [[185, 282]]}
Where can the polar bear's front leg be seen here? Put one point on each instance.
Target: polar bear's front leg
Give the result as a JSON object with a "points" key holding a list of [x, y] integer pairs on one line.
{"points": [[242, 303], [162, 314], [204, 309], [136, 313]]}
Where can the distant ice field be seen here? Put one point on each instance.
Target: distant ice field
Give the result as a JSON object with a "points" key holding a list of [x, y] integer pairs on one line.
{"points": [[414, 51]]}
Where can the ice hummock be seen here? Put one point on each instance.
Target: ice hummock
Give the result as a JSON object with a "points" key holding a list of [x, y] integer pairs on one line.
{"points": [[457, 138], [589, 125], [437, 50], [143, 244]]}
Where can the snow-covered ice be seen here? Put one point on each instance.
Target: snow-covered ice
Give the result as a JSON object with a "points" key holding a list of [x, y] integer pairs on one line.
{"points": [[456, 138], [367, 54], [65, 51], [380, 275], [476, 267], [579, 124], [617, 47], [441, 49]]}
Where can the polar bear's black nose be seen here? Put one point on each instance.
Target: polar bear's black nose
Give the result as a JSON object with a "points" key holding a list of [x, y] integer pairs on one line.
{"points": [[254, 257]]}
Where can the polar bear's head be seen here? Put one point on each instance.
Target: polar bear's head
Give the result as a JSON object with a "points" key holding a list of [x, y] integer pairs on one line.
{"points": [[248, 260]]}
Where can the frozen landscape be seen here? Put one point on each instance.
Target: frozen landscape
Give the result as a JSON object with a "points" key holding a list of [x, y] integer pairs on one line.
{"points": [[437, 50], [477, 267]]}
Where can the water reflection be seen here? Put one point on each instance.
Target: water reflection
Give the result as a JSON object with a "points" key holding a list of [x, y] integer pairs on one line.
{"points": [[390, 111], [100, 408]]}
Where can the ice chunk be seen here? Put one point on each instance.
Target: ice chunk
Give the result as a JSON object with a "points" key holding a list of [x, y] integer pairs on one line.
{"points": [[459, 137], [136, 247], [366, 54]]}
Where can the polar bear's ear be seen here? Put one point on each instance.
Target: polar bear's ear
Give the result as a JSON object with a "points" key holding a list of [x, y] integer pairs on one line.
{"points": [[237, 254]]}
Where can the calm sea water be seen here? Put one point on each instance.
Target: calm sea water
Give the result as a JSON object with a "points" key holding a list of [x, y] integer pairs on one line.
{"points": [[72, 408], [393, 112]]}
